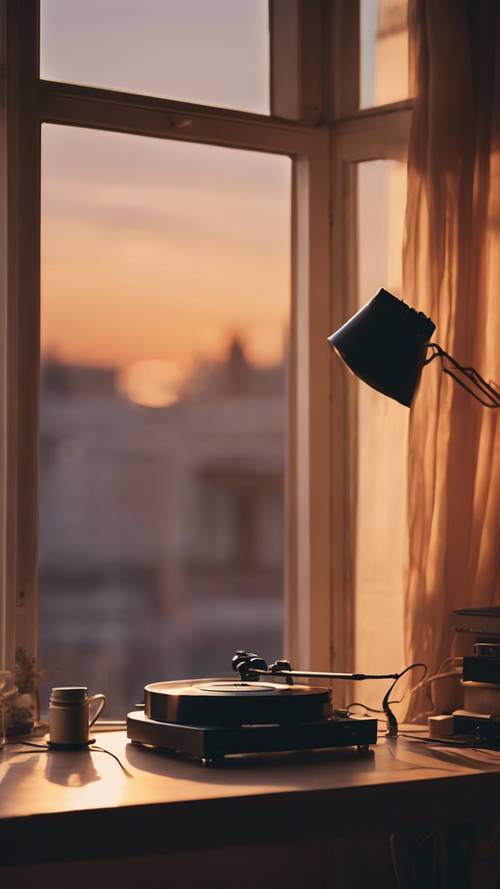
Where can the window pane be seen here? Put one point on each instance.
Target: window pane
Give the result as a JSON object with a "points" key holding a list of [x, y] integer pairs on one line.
{"points": [[212, 52], [384, 52], [380, 561], [165, 308]]}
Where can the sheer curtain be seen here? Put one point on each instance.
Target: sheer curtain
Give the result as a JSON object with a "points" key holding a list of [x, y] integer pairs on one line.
{"points": [[452, 273]]}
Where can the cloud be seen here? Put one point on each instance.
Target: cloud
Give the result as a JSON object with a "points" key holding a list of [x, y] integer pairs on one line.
{"points": [[125, 186]]}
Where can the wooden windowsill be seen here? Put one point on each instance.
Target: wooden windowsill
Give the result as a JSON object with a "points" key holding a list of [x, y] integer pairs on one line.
{"points": [[93, 807]]}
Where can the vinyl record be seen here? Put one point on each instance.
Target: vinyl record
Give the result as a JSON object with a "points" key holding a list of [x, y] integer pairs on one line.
{"points": [[225, 702]]}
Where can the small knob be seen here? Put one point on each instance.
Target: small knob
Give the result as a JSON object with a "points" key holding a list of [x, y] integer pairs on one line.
{"points": [[280, 666]]}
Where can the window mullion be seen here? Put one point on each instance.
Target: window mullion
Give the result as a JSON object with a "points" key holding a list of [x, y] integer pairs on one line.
{"points": [[105, 110], [20, 325], [309, 526]]}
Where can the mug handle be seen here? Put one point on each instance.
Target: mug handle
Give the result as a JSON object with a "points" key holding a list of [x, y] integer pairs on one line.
{"points": [[102, 699]]}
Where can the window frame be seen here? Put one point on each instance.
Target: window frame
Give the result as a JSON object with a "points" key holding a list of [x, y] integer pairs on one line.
{"points": [[27, 103], [315, 120]]}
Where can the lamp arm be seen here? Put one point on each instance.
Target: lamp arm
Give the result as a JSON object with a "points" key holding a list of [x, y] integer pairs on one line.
{"points": [[490, 393]]}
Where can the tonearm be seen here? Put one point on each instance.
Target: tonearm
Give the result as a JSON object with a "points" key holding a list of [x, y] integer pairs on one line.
{"points": [[252, 666]]}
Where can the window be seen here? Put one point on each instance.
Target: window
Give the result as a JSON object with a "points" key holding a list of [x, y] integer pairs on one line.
{"points": [[165, 307], [261, 510], [335, 156]]}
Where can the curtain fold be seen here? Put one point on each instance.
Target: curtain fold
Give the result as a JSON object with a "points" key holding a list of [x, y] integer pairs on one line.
{"points": [[452, 273]]}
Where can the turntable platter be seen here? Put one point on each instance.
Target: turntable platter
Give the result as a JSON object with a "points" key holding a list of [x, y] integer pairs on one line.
{"points": [[224, 702]]}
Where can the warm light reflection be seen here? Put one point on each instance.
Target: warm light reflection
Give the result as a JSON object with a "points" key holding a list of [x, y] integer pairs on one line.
{"points": [[151, 383]]}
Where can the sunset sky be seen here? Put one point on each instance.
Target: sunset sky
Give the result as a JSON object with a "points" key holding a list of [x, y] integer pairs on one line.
{"points": [[153, 249]]}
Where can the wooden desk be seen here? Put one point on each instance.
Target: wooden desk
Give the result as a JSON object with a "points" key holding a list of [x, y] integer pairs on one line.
{"points": [[273, 815]]}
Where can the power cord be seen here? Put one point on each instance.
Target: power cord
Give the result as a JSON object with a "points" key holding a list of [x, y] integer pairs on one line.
{"points": [[391, 721], [445, 669], [94, 748]]}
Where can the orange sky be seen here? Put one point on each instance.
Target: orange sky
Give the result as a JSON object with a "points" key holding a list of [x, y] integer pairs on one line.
{"points": [[155, 249]]}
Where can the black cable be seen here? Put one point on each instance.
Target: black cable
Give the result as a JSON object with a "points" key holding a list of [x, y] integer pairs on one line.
{"points": [[24, 752], [392, 723], [424, 738], [46, 748], [103, 750], [395, 700], [365, 707], [453, 742], [415, 687]]}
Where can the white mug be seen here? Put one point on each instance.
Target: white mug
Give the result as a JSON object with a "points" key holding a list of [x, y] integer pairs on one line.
{"points": [[69, 715]]}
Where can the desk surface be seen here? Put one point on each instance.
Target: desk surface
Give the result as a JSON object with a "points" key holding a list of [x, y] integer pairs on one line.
{"points": [[164, 799]]}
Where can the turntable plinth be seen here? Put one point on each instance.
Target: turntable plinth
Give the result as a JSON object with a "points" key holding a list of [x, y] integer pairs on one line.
{"points": [[211, 743]]}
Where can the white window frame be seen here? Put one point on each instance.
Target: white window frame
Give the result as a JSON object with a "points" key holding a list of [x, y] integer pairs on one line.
{"points": [[26, 104]]}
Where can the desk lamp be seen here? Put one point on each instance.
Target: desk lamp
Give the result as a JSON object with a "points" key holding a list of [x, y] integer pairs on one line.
{"points": [[386, 345]]}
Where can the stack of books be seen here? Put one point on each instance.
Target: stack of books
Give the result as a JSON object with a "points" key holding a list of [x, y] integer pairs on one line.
{"points": [[481, 673], [481, 679]]}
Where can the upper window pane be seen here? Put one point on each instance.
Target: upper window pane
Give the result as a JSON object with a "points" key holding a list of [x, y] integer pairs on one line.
{"points": [[384, 52], [212, 52]]}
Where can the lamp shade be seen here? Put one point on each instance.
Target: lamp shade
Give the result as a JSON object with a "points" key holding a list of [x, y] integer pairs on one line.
{"points": [[385, 344]]}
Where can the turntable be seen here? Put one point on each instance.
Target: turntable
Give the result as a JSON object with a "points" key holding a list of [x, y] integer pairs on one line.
{"points": [[261, 711]]}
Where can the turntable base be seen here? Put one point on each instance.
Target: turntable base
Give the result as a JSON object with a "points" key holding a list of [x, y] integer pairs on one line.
{"points": [[211, 744]]}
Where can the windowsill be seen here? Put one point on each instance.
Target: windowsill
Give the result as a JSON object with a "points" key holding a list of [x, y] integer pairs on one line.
{"points": [[92, 806]]}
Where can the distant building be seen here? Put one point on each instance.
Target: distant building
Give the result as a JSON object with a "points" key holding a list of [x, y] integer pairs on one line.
{"points": [[161, 529]]}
